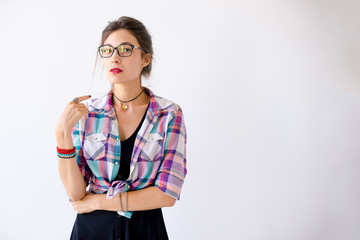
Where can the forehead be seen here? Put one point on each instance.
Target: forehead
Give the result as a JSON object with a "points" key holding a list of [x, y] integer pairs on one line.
{"points": [[121, 36]]}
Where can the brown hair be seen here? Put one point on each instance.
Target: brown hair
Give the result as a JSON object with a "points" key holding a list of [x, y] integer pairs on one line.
{"points": [[138, 30]]}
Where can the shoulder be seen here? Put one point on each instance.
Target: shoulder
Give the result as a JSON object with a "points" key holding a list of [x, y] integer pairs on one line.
{"points": [[171, 118], [170, 114], [167, 106]]}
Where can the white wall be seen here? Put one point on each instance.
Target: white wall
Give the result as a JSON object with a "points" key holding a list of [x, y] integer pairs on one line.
{"points": [[271, 97]]}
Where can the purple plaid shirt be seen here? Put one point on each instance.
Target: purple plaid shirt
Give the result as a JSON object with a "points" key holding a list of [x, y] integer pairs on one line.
{"points": [[159, 154]]}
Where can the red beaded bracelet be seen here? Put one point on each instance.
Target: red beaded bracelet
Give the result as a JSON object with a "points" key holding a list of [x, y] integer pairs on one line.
{"points": [[65, 151]]}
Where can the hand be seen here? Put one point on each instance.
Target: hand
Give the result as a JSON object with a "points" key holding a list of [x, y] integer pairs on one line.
{"points": [[86, 204], [72, 114]]}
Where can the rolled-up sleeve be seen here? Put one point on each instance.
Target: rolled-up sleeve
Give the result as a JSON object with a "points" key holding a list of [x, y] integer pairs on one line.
{"points": [[172, 171], [77, 134]]}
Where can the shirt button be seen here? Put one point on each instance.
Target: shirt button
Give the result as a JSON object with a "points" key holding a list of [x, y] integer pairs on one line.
{"points": [[151, 138], [96, 139], [117, 139], [116, 163]]}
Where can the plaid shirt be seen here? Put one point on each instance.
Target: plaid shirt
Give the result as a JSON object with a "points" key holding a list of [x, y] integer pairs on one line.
{"points": [[159, 153]]}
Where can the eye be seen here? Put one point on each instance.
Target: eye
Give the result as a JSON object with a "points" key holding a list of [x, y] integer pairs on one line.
{"points": [[106, 49], [124, 48]]}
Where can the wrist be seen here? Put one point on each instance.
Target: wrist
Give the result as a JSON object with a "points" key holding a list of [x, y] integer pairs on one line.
{"points": [[64, 141], [60, 131], [98, 201]]}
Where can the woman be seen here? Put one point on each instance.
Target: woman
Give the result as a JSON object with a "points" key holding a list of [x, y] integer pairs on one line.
{"points": [[122, 157]]}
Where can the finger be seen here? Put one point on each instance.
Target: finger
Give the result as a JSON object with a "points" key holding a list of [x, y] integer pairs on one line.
{"points": [[80, 107], [85, 114], [82, 98]]}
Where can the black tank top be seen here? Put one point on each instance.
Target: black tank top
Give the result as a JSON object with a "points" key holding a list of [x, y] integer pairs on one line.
{"points": [[126, 152]]}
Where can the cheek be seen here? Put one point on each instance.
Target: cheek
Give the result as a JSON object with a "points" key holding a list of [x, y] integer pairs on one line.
{"points": [[105, 64], [132, 68]]}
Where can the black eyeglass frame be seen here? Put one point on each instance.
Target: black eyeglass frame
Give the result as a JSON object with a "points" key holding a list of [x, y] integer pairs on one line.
{"points": [[117, 49]]}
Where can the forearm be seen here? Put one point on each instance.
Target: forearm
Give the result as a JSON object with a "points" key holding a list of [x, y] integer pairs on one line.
{"points": [[70, 174], [144, 199]]}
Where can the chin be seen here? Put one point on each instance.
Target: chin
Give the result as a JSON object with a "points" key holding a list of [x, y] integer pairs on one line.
{"points": [[115, 80]]}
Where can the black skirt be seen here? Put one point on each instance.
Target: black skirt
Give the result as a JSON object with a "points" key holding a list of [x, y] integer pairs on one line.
{"points": [[106, 225]]}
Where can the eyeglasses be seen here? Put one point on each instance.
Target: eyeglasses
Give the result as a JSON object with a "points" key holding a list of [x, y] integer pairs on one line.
{"points": [[124, 50]]}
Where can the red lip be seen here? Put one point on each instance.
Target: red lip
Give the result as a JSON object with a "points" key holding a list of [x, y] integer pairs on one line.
{"points": [[115, 70]]}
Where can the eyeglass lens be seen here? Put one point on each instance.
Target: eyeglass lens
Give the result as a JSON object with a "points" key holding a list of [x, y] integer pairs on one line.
{"points": [[107, 51]]}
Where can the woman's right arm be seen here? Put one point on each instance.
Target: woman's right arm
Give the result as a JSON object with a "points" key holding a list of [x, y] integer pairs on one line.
{"points": [[71, 176]]}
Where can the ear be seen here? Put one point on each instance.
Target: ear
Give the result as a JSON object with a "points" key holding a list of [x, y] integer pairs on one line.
{"points": [[147, 59]]}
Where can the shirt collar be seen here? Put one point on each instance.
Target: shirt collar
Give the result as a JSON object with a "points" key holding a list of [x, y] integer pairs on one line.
{"points": [[105, 104]]}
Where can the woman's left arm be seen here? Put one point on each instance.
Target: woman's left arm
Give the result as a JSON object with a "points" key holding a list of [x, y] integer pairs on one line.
{"points": [[143, 199]]}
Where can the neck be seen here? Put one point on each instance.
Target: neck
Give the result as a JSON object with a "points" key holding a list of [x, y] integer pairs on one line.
{"points": [[126, 92]]}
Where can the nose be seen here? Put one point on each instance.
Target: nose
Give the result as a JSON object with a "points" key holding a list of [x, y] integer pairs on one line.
{"points": [[115, 58]]}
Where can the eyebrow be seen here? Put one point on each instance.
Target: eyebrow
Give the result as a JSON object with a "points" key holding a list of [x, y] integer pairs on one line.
{"points": [[119, 44]]}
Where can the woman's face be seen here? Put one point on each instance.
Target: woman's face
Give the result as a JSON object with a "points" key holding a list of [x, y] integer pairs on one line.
{"points": [[131, 66]]}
